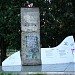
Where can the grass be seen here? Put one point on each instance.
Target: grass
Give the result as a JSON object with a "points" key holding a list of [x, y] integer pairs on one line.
{"points": [[8, 74], [5, 74], [10, 53], [39, 74], [19, 74]]}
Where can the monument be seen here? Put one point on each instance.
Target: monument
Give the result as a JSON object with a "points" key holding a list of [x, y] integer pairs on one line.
{"points": [[59, 58], [63, 53], [30, 36]]}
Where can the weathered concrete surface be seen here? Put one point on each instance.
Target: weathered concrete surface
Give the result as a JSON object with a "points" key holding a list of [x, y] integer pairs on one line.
{"points": [[30, 36], [56, 68]]}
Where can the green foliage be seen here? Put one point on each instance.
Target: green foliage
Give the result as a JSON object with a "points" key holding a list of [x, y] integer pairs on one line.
{"points": [[10, 23], [37, 74], [5, 74], [40, 74], [25, 74], [1, 74], [8, 74], [57, 19]]}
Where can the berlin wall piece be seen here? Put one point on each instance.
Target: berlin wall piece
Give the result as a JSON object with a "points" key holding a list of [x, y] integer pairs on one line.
{"points": [[30, 36]]}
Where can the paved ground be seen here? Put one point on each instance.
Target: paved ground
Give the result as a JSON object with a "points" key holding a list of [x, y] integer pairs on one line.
{"points": [[52, 69], [68, 67]]}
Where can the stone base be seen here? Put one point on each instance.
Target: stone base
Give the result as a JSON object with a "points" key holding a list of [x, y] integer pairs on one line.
{"points": [[32, 62]]}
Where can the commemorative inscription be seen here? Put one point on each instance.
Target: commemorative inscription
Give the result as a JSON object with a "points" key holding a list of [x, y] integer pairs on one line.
{"points": [[30, 36]]}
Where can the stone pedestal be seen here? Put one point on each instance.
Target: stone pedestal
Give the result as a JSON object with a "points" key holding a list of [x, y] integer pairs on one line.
{"points": [[30, 36]]}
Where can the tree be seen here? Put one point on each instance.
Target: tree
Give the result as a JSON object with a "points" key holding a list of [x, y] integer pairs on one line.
{"points": [[9, 26], [57, 21]]}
